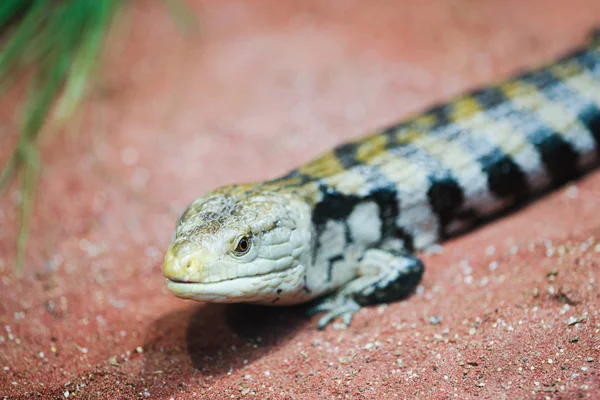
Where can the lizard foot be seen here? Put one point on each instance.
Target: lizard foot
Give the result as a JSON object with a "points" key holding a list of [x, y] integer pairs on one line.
{"points": [[337, 305], [384, 276]]}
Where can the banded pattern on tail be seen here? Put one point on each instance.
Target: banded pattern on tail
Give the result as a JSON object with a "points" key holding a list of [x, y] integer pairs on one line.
{"points": [[481, 153]]}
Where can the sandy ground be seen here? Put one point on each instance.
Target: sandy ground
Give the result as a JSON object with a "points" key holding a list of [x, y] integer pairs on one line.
{"points": [[508, 311]]}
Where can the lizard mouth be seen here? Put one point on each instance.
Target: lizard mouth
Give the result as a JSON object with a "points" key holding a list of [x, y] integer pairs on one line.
{"points": [[175, 280], [264, 274], [255, 288]]}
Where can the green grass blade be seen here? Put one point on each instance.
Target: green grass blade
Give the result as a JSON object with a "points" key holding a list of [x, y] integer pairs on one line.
{"points": [[8, 172], [85, 59], [12, 10], [21, 39], [56, 44], [29, 178]]}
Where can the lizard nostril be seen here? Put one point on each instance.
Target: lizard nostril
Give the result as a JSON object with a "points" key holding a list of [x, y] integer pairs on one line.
{"points": [[189, 264]]}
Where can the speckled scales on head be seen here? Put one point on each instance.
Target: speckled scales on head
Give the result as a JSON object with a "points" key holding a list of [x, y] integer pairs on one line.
{"points": [[346, 224]]}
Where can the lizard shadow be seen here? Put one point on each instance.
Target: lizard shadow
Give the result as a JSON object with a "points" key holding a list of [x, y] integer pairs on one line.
{"points": [[253, 332], [215, 339], [198, 342]]}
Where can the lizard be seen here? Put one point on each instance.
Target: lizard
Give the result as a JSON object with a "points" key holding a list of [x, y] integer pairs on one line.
{"points": [[344, 231]]}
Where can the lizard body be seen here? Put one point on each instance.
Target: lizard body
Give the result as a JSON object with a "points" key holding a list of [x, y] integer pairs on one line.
{"points": [[344, 227]]}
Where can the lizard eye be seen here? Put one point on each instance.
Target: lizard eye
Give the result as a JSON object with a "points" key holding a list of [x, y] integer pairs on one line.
{"points": [[242, 246]]}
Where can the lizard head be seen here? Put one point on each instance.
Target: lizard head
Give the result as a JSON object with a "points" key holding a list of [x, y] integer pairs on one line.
{"points": [[240, 245]]}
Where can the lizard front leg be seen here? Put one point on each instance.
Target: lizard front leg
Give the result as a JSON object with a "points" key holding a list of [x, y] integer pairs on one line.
{"points": [[383, 276]]}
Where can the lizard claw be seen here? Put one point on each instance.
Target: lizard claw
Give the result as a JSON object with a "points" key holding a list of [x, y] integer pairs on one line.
{"points": [[336, 306]]}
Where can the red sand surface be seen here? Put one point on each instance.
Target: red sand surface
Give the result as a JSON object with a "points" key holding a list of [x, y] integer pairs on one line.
{"points": [[507, 311]]}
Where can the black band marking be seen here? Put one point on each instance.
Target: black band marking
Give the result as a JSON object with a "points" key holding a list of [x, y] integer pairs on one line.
{"points": [[346, 154], [446, 197], [505, 177], [489, 97], [331, 262], [305, 286], [558, 155], [590, 117], [440, 114], [589, 60], [338, 206]]}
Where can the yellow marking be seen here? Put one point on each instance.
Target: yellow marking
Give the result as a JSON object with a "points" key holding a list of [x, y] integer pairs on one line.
{"points": [[516, 89], [238, 190], [468, 114], [449, 153], [463, 108], [324, 166], [417, 133], [579, 80], [408, 175], [566, 70], [370, 148], [374, 146], [287, 183], [408, 135], [347, 182], [424, 121], [557, 117]]}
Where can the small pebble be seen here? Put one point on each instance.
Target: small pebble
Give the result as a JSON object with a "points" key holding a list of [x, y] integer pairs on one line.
{"points": [[574, 321], [572, 192]]}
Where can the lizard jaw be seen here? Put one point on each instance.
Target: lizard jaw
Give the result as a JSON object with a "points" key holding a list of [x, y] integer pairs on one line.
{"points": [[278, 288]]}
